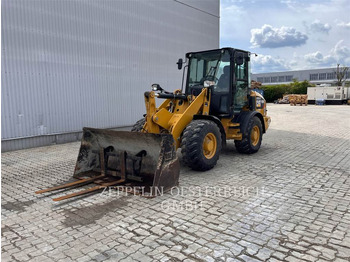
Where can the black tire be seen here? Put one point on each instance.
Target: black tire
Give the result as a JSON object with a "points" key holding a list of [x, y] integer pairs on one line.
{"points": [[137, 127], [193, 154], [246, 145]]}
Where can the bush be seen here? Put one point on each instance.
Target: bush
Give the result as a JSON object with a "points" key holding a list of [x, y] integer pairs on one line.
{"points": [[299, 87], [274, 92]]}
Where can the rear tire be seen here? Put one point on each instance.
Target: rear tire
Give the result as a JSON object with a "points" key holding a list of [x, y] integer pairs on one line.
{"points": [[251, 142], [138, 126], [201, 145]]}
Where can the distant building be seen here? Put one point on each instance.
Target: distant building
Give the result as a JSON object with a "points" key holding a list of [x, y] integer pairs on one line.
{"points": [[314, 76]]}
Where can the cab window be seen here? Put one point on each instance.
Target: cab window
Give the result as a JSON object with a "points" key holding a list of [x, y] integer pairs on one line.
{"points": [[223, 74]]}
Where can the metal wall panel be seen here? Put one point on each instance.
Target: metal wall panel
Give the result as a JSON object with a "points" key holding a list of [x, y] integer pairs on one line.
{"points": [[70, 64]]}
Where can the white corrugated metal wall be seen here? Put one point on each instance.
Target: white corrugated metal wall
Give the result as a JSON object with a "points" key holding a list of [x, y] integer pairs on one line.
{"points": [[70, 64]]}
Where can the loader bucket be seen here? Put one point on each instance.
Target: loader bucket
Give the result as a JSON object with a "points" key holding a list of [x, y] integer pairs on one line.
{"points": [[135, 159]]}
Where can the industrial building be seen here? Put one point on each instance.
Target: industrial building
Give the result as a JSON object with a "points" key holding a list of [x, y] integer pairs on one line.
{"points": [[70, 64], [314, 76]]}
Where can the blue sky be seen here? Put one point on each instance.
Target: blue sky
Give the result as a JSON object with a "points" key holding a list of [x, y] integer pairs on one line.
{"points": [[288, 34]]}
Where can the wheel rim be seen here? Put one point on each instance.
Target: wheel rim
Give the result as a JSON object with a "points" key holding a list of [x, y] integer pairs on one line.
{"points": [[255, 135], [209, 145]]}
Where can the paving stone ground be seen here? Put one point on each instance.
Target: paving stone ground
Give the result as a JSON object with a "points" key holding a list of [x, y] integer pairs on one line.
{"points": [[288, 202]]}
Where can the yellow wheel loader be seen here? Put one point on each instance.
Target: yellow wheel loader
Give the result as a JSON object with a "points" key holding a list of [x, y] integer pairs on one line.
{"points": [[216, 105]]}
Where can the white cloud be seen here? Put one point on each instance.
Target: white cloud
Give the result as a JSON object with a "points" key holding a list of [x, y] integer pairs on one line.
{"points": [[339, 54], [289, 24], [270, 37], [344, 25], [291, 4], [317, 58], [324, 7], [318, 26], [268, 63]]}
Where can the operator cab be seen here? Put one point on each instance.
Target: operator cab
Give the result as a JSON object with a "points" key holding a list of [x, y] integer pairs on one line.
{"points": [[226, 72]]}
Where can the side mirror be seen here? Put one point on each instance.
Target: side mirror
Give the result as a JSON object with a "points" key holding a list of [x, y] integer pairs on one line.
{"points": [[179, 63], [239, 58]]}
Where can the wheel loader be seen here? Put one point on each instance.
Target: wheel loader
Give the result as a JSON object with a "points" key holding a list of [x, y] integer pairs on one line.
{"points": [[213, 105]]}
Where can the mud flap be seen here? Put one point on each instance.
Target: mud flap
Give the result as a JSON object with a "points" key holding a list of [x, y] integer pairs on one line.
{"points": [[139, 159]]}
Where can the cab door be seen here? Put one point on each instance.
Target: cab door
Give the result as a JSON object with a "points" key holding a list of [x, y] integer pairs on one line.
{"points": [[241, 80]]}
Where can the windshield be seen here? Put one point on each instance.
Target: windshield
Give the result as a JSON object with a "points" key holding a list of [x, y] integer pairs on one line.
{"points": [[208, 66]]}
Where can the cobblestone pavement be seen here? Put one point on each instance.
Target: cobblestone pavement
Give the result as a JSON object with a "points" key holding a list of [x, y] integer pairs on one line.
{"points": [[288, 202]]}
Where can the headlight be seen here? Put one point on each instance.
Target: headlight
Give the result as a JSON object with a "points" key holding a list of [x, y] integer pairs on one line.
{"points": [[156, 87]]}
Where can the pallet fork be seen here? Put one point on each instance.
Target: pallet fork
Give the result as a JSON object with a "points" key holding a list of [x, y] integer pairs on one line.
{"points": [[124, 159]]}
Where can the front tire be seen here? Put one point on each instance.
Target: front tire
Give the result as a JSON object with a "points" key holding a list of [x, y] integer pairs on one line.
{"points": [[201, 145], [138, 126], [251, 140]]}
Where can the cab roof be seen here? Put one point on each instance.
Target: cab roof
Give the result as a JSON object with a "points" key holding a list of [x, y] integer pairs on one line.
{"points": [[230, 49]]}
